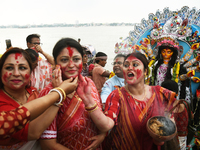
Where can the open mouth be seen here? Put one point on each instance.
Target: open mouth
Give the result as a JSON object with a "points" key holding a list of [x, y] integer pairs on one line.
{"points": [[130, 74]]}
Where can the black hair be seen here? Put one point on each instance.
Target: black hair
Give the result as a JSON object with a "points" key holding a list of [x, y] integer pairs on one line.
{"points": [[120, 55], [65, 42], [33, 55], [170, 85], [99, 54], [29, 37]]}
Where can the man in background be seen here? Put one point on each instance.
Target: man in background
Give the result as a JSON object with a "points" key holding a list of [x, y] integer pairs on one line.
{"points": [[42, 74], [33, 42], [99, 74], [117, 80]]}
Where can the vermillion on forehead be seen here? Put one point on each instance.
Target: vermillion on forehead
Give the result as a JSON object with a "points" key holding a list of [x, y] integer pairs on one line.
{"points": [[131, 58], [70, 50], [17, 56], [116, 59]]}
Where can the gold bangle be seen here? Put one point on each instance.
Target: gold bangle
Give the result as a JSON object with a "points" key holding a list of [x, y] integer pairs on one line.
{"points": [[63, 92], [89, 108], [92, 109]]}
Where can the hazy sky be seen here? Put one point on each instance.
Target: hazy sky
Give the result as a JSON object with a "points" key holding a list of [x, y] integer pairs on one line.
{"points": [[24, 12]]}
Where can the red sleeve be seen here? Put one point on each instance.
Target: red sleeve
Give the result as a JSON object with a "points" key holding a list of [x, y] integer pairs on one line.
{"points": [[13, 121], [7, 104]]}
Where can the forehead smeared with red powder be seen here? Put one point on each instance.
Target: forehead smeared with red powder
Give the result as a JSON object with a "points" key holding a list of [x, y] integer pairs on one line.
{"points": [[117, 59], [17, 55], [70, 50], [131, 57]]}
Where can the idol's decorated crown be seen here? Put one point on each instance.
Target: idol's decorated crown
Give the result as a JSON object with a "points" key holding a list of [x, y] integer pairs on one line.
{"points": [[178, 29]]}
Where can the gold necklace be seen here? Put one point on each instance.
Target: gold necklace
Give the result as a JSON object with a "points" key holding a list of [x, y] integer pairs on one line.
{"points": [[133, 96], [138, 102], [18, 101]]}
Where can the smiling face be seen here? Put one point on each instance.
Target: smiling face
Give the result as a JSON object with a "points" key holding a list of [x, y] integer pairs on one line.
{"points": [[70, 61], [15, 72], [133, 70], [118, 66]]}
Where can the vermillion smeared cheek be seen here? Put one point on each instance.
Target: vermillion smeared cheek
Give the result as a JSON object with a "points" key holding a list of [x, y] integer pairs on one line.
{"points": [[80, 68], [27, 76], [124, 74], [70, 51], [5, 76], [27, 79], [139, 73]]}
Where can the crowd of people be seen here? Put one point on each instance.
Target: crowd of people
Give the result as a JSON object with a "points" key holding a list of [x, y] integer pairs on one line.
{"points": [[63, 102]]}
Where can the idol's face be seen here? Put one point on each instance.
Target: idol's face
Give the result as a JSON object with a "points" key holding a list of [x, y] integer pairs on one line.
{"points": [[70, 61], [166, 53], [133, 70], [15, 72]]}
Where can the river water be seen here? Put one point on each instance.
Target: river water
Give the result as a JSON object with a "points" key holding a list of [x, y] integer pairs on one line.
{"points": [[102, 38]]}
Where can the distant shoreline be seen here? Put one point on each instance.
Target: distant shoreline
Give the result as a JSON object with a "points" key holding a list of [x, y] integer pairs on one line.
{"points": [[66, 25]]}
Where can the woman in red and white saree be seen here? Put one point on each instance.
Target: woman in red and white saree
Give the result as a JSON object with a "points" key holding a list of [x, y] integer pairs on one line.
{"points": [[73, 127]]}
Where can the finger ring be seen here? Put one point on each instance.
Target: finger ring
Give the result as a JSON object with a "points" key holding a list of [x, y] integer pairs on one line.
{"points": [[53, 76], [56, 77]]}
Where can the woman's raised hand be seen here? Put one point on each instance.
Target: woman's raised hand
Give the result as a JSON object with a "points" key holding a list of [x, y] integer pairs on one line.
{"points": [[84, 91], [56, 76]]}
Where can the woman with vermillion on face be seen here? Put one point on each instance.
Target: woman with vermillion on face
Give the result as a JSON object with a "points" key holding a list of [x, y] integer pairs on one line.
{"points": [[131, 106], [74, 127]]}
